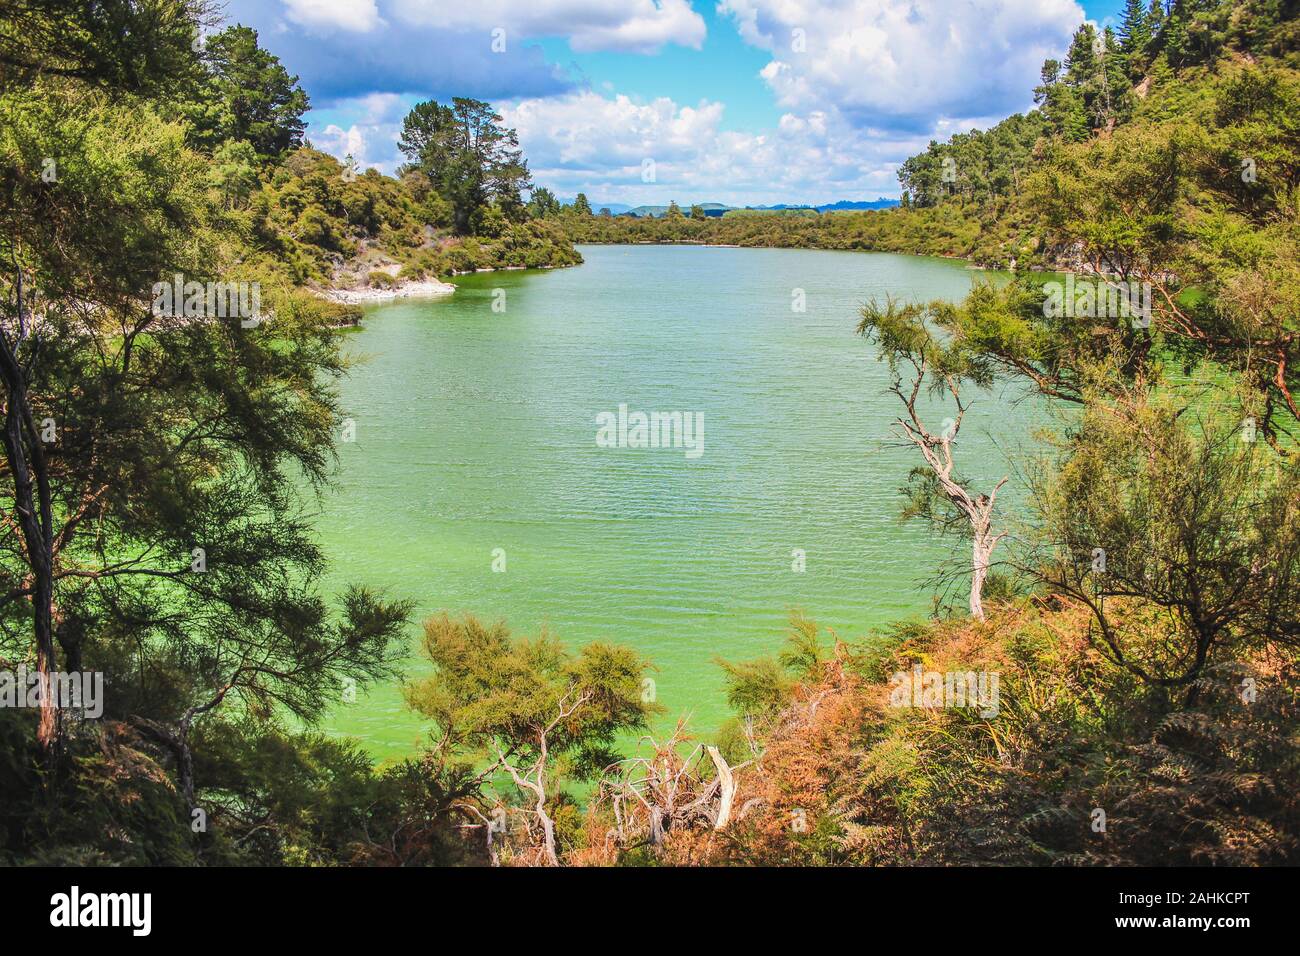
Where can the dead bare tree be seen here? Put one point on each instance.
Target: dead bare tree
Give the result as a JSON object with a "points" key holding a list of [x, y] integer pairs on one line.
{"points": [[936, 449], [914, 354], [650, 795]]}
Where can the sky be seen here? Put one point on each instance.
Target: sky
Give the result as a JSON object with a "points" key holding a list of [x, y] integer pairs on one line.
{"points": [[745, 102]]}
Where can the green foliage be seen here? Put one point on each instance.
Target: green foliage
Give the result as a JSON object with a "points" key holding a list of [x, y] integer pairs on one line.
{"points": [[952, 229], [234, 173], [172, 553], [136, 46], [516, 698], [761, 688], [247, 97], [315, 219], [1161, 689], [1204, 784], [977, 165], [1184, 200], [108, 802], [285, 799], [1136, 30], [542, 204], [469, 158], [757, 688], [1192, 519]]}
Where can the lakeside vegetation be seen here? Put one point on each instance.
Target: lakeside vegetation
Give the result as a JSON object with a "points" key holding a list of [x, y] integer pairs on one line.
{"points": [[1142, 618]]}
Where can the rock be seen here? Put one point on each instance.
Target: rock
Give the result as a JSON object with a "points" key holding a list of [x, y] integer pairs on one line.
{"points": [[401, 290]]}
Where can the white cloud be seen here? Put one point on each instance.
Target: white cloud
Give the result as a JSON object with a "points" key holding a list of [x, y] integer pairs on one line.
{"points": [[905, 63], [630, 26], [585, 142], [341, 143], [586, 128], [358, 16], [371, 137], [862, 85]]}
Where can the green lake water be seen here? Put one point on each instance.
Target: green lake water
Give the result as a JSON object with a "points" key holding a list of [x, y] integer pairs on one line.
{"points": [[476, 430]]}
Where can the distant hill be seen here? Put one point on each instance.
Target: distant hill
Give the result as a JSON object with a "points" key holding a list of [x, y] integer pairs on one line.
{"points": [[843, 204], [881, 203], [617, 208], [717, 209], [710, 209]]}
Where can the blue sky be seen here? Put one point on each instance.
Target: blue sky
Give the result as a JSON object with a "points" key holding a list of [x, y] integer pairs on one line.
{"points": [[642, 101]]}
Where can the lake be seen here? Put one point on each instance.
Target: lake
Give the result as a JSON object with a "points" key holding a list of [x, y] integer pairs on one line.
{"points": [[476, 430]]}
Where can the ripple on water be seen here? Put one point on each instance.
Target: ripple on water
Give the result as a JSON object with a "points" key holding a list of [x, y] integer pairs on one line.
{"points": [[476, 431]]}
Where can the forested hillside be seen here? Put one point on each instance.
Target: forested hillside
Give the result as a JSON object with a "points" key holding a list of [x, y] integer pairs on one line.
{"points": [[1159, 75]]}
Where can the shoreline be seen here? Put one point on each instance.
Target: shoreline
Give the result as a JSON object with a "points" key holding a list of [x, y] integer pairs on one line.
{"points": [[413, 288], [367, 296], [1055, 268], [973, 262]]}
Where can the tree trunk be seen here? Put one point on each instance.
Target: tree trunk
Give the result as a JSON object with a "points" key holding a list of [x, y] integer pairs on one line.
{"points": [[728, 785], [983, 543], [185, 768], [35, 519], [548, 832], [979, 571]]}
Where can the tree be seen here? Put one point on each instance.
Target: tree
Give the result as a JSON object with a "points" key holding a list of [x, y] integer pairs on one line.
{"points": [[141, 46], [469, 158], [1155, 19], [543, 204], [234, 172], [156, 448], [247, 97], [529, 708], [1152, 205], [1135, 30], [1157, 511], [1174, 34], [905, 341], [270, 663], [1061, 103], [646, 797], [581, 206]]}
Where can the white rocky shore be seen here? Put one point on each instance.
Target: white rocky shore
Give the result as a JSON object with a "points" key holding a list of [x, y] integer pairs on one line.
{"points": [[401, 290]]}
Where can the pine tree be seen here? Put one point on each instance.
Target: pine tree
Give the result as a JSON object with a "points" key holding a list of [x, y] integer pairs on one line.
{"points": [[1115, 66], [1134, 32], [1155, 20], [1073, 122], [1175, 35], [1081, 60]]}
